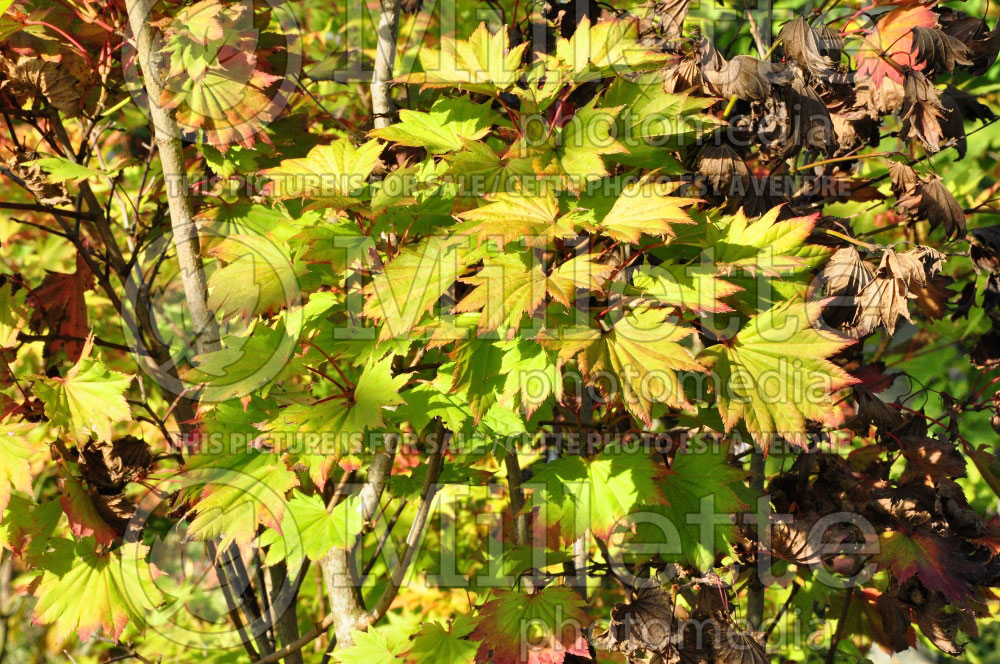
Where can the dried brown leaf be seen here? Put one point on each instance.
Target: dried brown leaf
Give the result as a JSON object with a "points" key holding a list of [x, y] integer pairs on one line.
{"points": [[803, 46], [646, 623], [883, 300], [723, 168], [922, 112], [110, 466], [939, 50], [746, 78], [940, 208]]}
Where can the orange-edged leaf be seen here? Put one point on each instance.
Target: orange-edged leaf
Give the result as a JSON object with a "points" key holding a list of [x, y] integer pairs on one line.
{"points": [[508, 287], [511, 216], [237, 490], [328, 172], [483, 63], [578, 273], [337, 425], [892, 40], [82, 590], [763, 245], [88, 400], [413, 281], [646, 208], [693, 287], [554, 618], [774, 374], [641, 351]]}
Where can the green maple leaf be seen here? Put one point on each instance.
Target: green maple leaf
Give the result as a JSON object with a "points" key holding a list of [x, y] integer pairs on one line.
{"points": [[506, 288], [477, 374], [60, 169], [85, 590], [699, 482], [342, 421], [376, 390], [479, 171], [600, 50], [19, 523], [646, 208], [483, 63], [238, 490], [15, 451], [774, 374], [88, 400], [510, 286], [444, 128], [572, 154], [582, 272], [253, 362], [258, 277], [554, 617], [596, 493], [373, 646], [413, 281], [330, 172], [337, 243], [307, 528], [13, 315], [531, 376], [763, 245], [510, 216], [443, 645], [28, 527], [436, 398], [674, 120], [641, 350], [693, 287]]}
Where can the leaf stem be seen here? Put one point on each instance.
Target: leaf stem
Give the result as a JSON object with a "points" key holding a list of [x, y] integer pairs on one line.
{"points": [[834, 160]]}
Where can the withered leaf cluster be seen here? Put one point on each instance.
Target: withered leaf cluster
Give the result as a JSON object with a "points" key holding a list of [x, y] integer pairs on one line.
{"points": [[108, 468], [926, 198], [924, 503], [805, 102], [867, 297], [651, 627], [24, 166], [30, 77]]}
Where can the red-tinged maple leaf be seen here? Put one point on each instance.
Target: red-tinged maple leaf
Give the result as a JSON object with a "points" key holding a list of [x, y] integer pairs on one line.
{"points": [[60, 305], [84, 520], [991, 540], [878, 616], [873, 377], [936, 561], [889, 47], [540, 628]]}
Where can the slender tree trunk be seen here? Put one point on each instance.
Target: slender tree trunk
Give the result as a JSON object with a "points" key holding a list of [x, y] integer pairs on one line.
{"points": [[383, 108], [345, 603], [166, 134], [755, 589], [286, 624]]}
